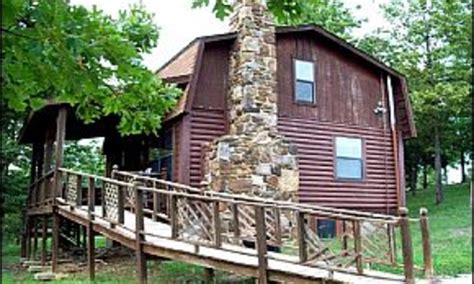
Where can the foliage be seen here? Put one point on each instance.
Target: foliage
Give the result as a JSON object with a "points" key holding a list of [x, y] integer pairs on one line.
{"points": [[430, 44], [332, 14], [65, 53], [84, 157]]}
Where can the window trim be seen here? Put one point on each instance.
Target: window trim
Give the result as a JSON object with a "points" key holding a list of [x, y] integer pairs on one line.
{"points": [[363, 159], [295, 80]]}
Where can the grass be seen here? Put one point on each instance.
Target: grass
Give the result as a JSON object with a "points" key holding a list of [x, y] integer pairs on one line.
{"points": [[450, 229], [118, 271]]}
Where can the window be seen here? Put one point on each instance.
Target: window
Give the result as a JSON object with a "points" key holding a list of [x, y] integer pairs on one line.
{"points": [[326, 228], [162, 156], [349, 162], [304, 82]]}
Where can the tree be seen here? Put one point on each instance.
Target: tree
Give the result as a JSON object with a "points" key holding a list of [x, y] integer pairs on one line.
{"points": [[54, 51], [330, 14], [430, 43], [57, 51]]}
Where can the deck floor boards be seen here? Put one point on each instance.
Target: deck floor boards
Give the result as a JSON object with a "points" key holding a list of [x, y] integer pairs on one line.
{"points": [[161, 234]]}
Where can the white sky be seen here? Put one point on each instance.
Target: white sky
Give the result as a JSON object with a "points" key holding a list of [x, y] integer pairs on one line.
{"points": [[179, 23]]}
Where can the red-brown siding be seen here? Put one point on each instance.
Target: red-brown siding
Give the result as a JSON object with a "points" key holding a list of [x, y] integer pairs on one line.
{"points": [[205, 127], [211, 88], [316, 163], [347, 89]]}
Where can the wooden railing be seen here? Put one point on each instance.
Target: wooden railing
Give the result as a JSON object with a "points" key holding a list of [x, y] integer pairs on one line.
{"points": [[40, 192], [265, 228]]}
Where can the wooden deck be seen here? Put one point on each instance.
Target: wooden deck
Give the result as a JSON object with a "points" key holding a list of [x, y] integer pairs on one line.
{"points": [[266, 239]]}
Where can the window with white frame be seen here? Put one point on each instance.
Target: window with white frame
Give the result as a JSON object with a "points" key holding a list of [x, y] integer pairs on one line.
{"points": [[305, 85], [349, 160]]}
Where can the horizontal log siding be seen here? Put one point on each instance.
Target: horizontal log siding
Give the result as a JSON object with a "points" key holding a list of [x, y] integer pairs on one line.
{"points": [[377, 192], [205, 127]]}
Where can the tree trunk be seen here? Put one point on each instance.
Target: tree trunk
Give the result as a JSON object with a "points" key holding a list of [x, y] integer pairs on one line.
{"points": [[463, 167], [438, 177], [413, 179], [425, 177]]}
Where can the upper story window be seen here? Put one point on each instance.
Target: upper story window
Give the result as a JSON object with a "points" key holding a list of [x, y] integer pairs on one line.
{"points": [[349, 160], [305, 85]]}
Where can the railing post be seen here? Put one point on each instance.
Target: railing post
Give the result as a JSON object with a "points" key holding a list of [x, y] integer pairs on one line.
{"points": [[78, 200], [120, 204], [425, 238], [91, 198], [358, 246], [217, 224], [235, 221], [139, 236], [301, 237], [173, 216], [156, 203], [261, 242], [277, 225], [407, 249]]}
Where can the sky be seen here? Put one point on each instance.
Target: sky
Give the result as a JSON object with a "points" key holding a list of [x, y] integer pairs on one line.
{"points": [[180, 24]]}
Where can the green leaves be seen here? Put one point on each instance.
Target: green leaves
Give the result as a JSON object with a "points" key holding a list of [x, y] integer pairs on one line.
{"points": [[54, 50]]}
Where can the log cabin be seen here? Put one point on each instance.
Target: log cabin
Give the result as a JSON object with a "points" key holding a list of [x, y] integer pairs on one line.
{"points": [[346, 113], [291, 113]]}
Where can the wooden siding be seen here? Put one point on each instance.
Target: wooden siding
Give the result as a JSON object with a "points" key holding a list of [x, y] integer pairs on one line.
{"points": [[318, 185], [347, 89], [211, 88], [205, 126]]}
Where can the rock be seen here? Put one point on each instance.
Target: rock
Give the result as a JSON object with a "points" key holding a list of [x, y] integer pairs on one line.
{"points": [[45, 276], [27, 263], [38, 268]]}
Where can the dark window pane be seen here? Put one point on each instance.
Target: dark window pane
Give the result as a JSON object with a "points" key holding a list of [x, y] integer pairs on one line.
{"points": [[326, 229], [349, 168], [304, 91]]}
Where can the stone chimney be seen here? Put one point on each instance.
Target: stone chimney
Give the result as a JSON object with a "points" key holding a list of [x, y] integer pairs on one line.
{"points": [[254, 158]]}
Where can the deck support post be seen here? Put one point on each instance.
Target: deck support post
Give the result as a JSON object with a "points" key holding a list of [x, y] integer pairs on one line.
{"points": [[28, 237], [35, 237], [44, 239], [261, 243], [91, 251], [139, 236], [425, 238], [209, 275], [90, 229], [55, 241], [407, 248]]}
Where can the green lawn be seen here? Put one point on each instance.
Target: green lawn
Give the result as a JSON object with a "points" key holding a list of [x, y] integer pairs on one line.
{"points": [[450, 227]]}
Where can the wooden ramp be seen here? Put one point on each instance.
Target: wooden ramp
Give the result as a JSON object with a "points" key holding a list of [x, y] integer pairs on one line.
{"points": [[266, 239]]}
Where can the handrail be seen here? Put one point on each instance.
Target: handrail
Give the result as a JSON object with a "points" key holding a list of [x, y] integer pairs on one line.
{"points": [[200, 213], [263, 200], [42, 178]]}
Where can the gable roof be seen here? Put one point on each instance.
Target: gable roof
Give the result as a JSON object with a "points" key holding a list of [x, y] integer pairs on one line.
{"points": [[186, 61]]}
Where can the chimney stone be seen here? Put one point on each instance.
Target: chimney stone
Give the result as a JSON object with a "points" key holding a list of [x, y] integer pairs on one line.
{"points": [[254, 158]]}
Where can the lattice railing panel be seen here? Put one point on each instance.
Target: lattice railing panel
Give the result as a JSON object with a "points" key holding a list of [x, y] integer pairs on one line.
{"points": [[376, 239], [111, 201], [330, 251], [71, 189], [195, 220]]}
